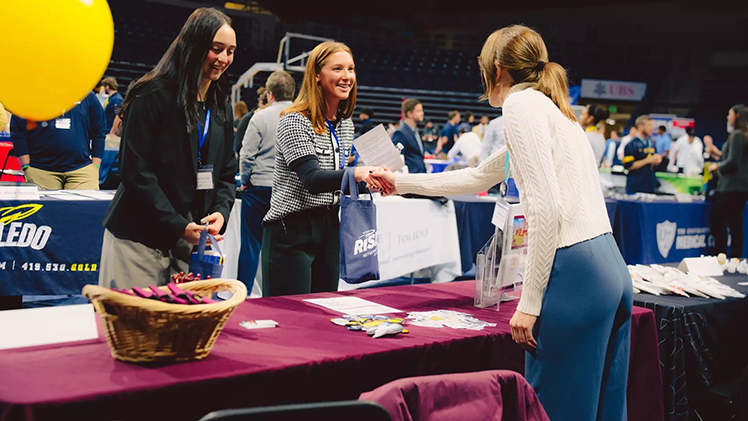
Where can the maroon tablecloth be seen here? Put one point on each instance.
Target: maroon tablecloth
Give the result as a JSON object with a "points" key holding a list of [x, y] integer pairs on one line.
{"points": [[305, 359]]}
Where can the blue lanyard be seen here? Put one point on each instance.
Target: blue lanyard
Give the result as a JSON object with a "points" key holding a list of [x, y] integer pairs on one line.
{"points": [[202, 135], [504, 185], [506, 166], [342, 150]]}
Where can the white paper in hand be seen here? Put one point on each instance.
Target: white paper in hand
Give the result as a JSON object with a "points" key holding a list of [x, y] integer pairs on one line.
{"points": [[376, 149]]}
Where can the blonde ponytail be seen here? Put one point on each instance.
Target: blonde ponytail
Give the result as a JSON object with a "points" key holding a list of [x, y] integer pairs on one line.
{"points": [[522, 53], [552, 81]]}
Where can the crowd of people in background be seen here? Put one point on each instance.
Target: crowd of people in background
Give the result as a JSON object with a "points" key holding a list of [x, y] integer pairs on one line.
{"points": [[81, 149], [293, 151]]}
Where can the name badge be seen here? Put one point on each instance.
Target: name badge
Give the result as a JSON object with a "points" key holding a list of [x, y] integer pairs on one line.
{"points": [[63, 123], [205, 177]]}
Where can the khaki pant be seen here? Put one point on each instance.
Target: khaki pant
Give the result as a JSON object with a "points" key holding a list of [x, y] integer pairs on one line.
{"points": [[127, 264], [86, 178]]}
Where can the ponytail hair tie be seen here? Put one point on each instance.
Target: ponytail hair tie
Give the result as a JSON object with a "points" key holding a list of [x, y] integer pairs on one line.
{"points": [[540, 66]]}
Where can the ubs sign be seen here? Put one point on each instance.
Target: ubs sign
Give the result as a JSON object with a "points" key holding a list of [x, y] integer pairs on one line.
{"points": [[613, 89]]}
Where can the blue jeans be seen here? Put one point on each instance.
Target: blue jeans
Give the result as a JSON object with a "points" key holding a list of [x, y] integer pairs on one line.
{"points": [[255, 204]]}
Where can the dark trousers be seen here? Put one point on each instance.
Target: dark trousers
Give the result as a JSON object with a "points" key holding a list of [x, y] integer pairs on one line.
{"points": [[255, 204], [301, 253], [728, 212]]}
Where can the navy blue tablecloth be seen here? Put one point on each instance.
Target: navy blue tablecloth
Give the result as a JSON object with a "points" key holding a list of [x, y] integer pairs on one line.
{"points": [[611, 205], [662, 231], [49, 239], [702, 346], [474, 226]]}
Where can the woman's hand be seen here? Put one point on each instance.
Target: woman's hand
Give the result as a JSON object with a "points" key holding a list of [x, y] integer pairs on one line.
{"points": [[192, 233], [362, 173], [365, 174], [386, 180], [215, 223], [713, 167], [522, 324]]}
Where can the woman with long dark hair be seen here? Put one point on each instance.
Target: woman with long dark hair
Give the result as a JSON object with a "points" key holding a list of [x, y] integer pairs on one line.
{"points": [[732, 186], [300, 243], [177, 158], [574, 314]]}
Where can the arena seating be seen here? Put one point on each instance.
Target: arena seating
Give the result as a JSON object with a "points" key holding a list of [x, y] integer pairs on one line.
{"points": [[391, 64]]}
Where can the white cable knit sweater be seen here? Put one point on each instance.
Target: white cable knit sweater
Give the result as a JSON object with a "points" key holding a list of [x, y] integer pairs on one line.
{"points": [[554, 167]]}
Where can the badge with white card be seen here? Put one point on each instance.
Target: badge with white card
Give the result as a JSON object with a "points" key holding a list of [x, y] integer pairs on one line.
{"points": [[500, 212], [63, 123], [205, 177]]}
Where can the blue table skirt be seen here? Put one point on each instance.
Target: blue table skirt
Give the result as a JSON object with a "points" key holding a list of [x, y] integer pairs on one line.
{"points": [[646, 232], [474, 228], [43, 236]]}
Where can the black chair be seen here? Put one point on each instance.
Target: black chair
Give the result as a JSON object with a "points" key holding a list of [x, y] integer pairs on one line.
{"points": [[327, 411]]}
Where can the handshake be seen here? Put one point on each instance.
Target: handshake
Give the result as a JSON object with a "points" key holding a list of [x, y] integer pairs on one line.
{"points": [[378, 179]]}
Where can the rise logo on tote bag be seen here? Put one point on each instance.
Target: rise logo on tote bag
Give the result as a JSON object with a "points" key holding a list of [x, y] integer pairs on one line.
{"points": [[204, 262], [359, 257]]}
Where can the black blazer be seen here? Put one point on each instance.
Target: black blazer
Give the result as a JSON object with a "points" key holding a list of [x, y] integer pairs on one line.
{"points": [[159, 170], [733, 169], [411, 150]]}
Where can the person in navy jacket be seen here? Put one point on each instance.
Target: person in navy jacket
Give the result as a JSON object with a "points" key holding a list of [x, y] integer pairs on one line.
{"points": [[113, 102], [407, 135], [65, 152], [640, 159]]}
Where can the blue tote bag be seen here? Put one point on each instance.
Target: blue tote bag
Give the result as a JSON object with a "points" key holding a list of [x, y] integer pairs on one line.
{"points": [[359, 256], [207, 264]]}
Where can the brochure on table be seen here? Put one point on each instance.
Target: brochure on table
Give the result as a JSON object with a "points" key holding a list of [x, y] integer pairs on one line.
{"points": [[19, 192], [47, 325]]}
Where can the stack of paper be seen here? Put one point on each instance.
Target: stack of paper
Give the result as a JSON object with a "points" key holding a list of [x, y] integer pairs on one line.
{"points": [[657, 280], [448, 318], [352, 305]]}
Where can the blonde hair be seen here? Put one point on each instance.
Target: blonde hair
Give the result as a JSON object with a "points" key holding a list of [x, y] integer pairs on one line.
{"points": [[311, 100], [522, 53], [642, 120], [240, 108]]}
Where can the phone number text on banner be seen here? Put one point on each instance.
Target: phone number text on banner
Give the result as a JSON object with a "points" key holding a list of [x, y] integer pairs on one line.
{"points": [[46, 246]]}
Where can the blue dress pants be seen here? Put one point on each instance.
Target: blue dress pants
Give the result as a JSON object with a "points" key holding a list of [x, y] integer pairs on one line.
{"points": [[580, 367], [255, 204]]}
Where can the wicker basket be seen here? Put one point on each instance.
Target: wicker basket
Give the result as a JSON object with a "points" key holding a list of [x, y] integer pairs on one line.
{"points": [[144, 330]]}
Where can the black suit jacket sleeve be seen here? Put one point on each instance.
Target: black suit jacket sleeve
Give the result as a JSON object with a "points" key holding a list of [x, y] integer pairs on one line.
{"points": [[139, 139], [226, 183]]}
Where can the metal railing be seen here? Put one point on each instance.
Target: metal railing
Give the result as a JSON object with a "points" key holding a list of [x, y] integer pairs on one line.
{"points": [[284, 62]]}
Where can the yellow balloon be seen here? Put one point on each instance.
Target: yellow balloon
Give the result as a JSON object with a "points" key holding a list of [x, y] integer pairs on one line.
{"points": [[56, 52]]}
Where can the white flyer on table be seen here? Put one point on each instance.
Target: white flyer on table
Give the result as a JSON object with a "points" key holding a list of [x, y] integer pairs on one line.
{"points": [[47, 325], [376, 149], [19, 193], [352, 305]]}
